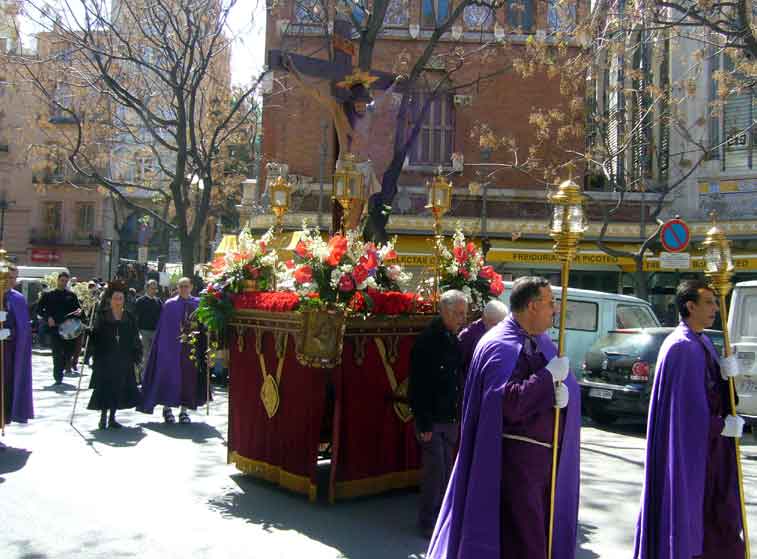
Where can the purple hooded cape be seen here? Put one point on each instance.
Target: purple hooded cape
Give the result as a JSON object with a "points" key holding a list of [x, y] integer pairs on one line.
{"points": [[22, 406], [469, 338], [162, 379], [671, 522], [469, 524]]}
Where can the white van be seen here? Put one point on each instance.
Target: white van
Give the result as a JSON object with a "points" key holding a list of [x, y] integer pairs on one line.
{"points": [[742, 327], [591, 315], [31, 280]]}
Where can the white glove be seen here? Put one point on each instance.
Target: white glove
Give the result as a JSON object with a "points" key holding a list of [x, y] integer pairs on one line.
{"points": [[5, 334], [561, 395], [734, 425], [559, 367], [3, 316], [729, 367]]}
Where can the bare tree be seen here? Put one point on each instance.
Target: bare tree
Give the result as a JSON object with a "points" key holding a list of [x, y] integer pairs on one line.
{"points": [[141, 104]]}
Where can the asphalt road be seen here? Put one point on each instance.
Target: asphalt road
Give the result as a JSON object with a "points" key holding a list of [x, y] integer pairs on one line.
{"points": [[155, 490]]}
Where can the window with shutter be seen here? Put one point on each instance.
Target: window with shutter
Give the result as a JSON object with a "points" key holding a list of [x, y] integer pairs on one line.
{"points": [[435, 141]]}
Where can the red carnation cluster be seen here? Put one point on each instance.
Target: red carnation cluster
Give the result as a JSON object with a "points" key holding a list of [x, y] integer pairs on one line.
{"points": [[391, 302], [277, 301]]}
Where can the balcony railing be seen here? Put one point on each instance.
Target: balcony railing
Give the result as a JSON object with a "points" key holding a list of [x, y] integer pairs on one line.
{"points": [[50, 236]]}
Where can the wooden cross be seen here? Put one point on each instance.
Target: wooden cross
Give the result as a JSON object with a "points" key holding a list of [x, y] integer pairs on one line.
{"points": [[338, 72]]}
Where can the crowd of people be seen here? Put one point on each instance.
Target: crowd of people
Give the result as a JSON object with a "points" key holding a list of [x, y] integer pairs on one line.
{"points": [[485, 399], [133, 343]]}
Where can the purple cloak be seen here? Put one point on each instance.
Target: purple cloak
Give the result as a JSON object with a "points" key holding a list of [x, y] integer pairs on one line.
{"points": [[18, 355], [469, 338], [671, 521], [469, 524], [170, 377]]}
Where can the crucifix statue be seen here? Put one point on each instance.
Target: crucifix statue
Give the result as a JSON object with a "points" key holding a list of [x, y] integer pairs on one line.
{"points": [[364, 122]]}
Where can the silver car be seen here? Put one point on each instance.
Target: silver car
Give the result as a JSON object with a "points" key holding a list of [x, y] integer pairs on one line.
{"points": [[742, 326]]}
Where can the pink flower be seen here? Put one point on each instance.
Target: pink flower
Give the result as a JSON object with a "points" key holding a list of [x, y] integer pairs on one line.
{"points": [[346, 283], [360, 273], [337, 248], [301, 249], [487, 272]]}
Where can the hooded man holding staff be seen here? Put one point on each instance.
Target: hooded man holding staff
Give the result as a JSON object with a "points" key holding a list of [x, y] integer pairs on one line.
{"points": [[690, 503], [497, 504]]}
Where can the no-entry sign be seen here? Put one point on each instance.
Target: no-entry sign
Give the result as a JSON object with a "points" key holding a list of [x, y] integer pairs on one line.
{"points": [[675, 235]]}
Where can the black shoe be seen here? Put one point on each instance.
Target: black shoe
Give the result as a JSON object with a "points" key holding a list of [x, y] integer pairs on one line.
{"points": [[113, 424], [58, 381]]}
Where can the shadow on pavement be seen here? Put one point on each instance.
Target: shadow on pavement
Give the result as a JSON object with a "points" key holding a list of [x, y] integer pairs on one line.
{"points": [[371, 528], [125, 437], [197, 431], [12, 459], [60, 388], [585, 531]]}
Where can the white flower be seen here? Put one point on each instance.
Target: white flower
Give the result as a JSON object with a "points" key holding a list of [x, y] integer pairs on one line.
{"points": [[336, 273], [468, 292], [452, 269], [394, 272]]}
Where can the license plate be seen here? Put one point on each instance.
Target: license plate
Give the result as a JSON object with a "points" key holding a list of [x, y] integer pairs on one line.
{"points": [[747, 385], [600, 393]]}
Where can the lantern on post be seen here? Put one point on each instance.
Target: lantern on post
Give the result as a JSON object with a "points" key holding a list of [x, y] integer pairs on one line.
{"points": [[439, 202], [349, 186], [281, 199], [5, 270], [567, 225], [718, 267]]}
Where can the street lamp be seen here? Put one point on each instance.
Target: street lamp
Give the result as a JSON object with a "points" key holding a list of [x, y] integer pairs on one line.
{"points": [[718, 267], [567, 226], [5, 269], [348, 187]]}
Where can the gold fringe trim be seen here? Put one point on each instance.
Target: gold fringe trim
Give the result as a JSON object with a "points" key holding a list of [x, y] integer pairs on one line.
{"points": [[375, 485], [276, 475]]}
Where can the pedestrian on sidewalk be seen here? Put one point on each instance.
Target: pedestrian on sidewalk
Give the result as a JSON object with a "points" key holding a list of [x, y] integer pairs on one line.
{"points": [[171, 378], [17, 358], [148, 309], [690, 502], [497, 504], [435, 389], [116, 351], [55, 306]]}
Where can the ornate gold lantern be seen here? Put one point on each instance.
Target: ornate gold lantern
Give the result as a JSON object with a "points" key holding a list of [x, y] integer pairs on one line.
{"points": [[439, 198], [281, 199], [349, 185]]}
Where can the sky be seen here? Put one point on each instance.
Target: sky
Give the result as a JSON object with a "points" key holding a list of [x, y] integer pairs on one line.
{"points": [[247, 27]]}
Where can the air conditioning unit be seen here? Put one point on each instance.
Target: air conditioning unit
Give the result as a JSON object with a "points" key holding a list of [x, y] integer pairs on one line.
{"points": [[463, 100]]}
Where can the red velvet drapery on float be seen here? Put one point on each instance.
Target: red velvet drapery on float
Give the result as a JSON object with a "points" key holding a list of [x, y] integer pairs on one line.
{"points": [[360, 400]]}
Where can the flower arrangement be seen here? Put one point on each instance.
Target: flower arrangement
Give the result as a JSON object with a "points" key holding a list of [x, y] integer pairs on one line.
{"points": [[463, 268], [342, 272], [254, 264]]}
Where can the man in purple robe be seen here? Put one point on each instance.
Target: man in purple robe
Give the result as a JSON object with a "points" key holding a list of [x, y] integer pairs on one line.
{"points": [[690, 503], [498, 499], [171, 378], [495, 312], [17, 356]]}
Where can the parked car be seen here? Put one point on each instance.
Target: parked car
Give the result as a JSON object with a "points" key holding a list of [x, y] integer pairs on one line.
{"points": [[591, 314], [742, 326], [619, 369]]}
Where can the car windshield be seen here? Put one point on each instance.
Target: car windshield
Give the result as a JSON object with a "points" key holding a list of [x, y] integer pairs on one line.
{"points": [[634, 316], [628, 343]]}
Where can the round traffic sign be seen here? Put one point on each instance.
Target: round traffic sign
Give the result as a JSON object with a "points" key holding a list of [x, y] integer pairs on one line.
{"points": [[675, 235]]}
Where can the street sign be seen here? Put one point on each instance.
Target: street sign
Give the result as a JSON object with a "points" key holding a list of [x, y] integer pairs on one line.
{"points": [[675, 235], [675, 260], [47, 255]]}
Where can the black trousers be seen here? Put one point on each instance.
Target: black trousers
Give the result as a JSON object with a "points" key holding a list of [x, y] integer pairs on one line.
{"points": [[63, 351]]}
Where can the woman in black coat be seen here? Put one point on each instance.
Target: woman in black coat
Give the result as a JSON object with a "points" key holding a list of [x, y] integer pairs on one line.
{"points": [[116, 351]]}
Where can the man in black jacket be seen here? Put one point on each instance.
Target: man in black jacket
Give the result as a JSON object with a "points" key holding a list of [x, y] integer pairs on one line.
{"points": [[55, 306], [436, 372], [148, 308]]}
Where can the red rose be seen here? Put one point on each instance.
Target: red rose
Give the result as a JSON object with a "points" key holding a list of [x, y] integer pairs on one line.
{"points": [[303, 274], [301, 249], [357, 302], [471, 247], [289, 264], [497, 287], [360, 273], [337, 248], [218, 295], [370, 261], [261, 244], [390, 255], [487, 272], [460, 254], [465, 273], [346, 283]]}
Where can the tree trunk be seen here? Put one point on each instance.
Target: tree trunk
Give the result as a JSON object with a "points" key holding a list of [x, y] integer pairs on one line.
{"points": [[641, 279], [188, 246]]}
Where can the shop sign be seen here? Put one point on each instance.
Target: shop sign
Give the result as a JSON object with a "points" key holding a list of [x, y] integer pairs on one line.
{"points": [[675, 260], [46, 255]]}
